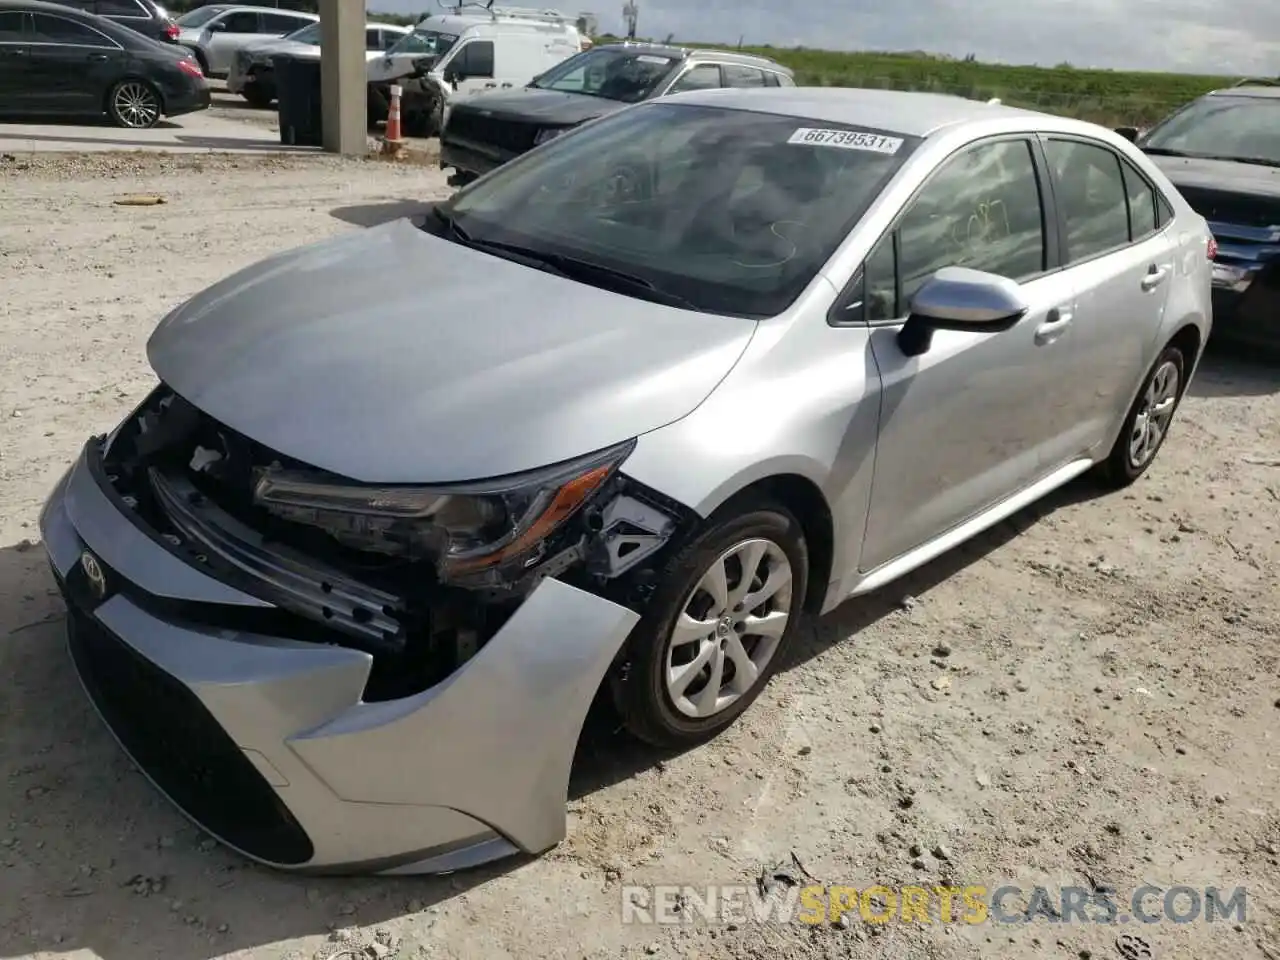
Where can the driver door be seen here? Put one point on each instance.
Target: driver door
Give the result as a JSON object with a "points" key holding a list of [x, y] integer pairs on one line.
{"points": [[473, 67], [972, 420], [227, 34]]}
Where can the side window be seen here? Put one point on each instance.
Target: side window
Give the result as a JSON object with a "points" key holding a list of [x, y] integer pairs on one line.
{"points": [[57, 30], [279, 23], [981, 209], [880, 283], [1090, 192], [1142, 203], [11, 31], [475, 59], [242, 21], [1164, 212], [705, 76], [121, 8], [739, 76], [373, 39]]}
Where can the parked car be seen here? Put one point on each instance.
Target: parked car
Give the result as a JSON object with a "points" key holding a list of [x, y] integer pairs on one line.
{"points": [[214, 33], [1222, 151], [684, 374], [147, 17], [252, 73], [58, 61], [456, 55], [492, 130]]}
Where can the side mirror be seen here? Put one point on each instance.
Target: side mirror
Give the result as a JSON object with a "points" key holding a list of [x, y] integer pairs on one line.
{"points": [[1129, 133], [218, 26], [957, 298]]}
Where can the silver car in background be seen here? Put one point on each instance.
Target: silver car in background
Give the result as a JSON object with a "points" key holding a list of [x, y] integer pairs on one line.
{"points": [[214, 33], [346, 582]]}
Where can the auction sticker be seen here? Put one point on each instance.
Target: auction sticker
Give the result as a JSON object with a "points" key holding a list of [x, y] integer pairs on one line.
{"points": [[846, 140], [649, 58]]}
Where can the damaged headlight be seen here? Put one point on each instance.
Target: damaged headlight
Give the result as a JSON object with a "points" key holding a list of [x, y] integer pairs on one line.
{"points": [[465, 528]]}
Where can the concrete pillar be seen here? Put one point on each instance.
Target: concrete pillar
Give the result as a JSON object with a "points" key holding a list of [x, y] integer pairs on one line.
{"points": [[342, 77]]}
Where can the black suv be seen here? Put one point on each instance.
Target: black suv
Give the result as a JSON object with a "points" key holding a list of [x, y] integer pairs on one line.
{"points": [[1222, 152], [146, 16], [489, 129]]}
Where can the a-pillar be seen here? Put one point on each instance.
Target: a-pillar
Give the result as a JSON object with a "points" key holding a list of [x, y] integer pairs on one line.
{"points": [[343, 94]]}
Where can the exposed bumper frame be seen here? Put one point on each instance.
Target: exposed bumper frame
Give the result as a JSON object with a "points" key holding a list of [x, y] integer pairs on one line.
{"points": [[470, 770]]}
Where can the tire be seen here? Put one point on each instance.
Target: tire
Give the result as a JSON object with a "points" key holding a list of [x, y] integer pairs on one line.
{"points": [[134, 104], [255, 96], [654, 705], [1137, 445]]}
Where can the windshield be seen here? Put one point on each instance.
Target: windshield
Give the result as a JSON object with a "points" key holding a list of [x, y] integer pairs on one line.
{"points": [[198, 17], [424, 43], [728, 211], [626, 75], [1238, 128], [308, 34]]}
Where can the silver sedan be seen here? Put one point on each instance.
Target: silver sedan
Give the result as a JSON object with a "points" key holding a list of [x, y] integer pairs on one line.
{"points": [[613, 417]]}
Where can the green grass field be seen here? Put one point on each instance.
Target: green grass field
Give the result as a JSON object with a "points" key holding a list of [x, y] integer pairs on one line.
{"points": [[1109, 97]]}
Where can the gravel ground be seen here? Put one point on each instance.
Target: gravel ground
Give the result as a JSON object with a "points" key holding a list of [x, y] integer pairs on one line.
{"points": [[1087, 695]]}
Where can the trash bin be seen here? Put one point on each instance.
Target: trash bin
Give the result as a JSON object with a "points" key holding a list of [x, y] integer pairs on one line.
{"points": [[298, 100]]}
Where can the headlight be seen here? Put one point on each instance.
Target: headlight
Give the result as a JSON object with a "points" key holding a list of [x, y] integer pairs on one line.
{"points": [[465, 529], [550, 133]]}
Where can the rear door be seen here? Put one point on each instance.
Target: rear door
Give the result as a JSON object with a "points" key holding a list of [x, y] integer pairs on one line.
{"points": [[1121, 264], [228, 33], [72, 64], [279, 24], [700, 76], [17, 92]]}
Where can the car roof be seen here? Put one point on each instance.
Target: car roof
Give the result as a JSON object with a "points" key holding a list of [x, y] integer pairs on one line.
{"points": [[693, 53], [910, 114]]}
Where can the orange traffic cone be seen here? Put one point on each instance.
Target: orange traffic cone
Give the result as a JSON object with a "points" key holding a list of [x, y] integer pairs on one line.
{"points": [[391, 139]]}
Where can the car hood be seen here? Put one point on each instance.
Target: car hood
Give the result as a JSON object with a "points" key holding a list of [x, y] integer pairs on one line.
{"points": [[394, 356], [550, 107], [1226, 175]]}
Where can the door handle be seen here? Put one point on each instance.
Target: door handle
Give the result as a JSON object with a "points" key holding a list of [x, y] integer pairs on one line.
{"points": [[98, 57], [1155, 276], [1055, 323], [14, 51]]}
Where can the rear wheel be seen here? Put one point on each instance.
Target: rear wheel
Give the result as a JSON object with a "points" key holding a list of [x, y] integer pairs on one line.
{"points": [[134, 104], [716, 628], [1147, 424]]}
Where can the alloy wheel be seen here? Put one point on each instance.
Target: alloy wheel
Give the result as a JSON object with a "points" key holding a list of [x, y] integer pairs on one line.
{"points": [[1152, 422], [136, 104], [729, 628]]}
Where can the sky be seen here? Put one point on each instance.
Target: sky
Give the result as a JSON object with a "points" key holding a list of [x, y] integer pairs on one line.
{"points": [[1190, 36]]}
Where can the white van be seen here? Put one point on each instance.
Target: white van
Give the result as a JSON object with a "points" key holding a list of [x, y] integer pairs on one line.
{"points": [[459, 54]]}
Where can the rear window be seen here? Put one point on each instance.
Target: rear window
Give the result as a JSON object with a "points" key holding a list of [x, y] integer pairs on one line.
{"points": [[122, 8], [730, 211]]}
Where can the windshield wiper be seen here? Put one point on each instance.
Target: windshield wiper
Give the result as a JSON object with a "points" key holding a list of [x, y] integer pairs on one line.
{"points": [[596, 274], [1259, 161], [1164, 152]]}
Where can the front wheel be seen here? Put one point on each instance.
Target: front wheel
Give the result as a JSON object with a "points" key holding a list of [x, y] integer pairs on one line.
{"points": [[257, 96], [723, 615], [1147, 424], [134, 104]]}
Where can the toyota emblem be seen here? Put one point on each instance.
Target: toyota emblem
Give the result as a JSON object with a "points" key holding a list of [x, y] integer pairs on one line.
{"points": [[94, 574]]}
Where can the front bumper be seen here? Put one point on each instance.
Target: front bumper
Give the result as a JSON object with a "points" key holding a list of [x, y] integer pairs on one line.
{"points": [[265, 742], [468, 157]]}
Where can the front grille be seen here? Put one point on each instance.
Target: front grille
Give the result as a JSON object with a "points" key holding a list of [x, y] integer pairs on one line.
{"points": [[511, 136], [176, 741]]}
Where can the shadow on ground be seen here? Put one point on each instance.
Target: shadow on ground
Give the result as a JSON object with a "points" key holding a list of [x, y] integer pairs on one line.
{"points": [[92, 858], [179, 142], [1229, 371]]}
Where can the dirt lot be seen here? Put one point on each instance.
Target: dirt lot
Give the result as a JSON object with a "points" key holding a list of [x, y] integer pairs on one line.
{"points": [[1088, 695]]}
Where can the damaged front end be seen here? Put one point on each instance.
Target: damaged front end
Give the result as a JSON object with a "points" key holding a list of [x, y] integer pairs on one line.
{"points": [[419, 577]]}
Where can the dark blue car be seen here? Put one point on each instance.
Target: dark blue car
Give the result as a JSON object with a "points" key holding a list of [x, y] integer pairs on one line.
{"points": [[1222, 151]]}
